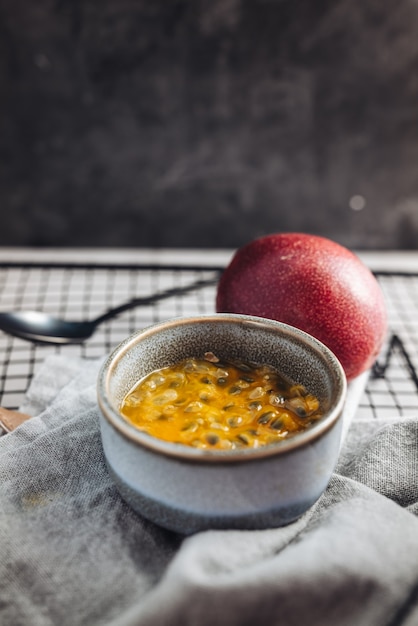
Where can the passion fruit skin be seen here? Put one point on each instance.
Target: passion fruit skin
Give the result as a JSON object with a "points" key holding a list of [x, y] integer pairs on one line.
{"points": [[314, 284]]}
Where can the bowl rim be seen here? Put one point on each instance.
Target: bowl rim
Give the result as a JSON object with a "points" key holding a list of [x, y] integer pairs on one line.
{"points": [[188, 453]]}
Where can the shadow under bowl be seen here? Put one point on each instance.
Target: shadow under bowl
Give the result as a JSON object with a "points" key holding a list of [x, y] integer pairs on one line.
{"points": [[187, 489]]}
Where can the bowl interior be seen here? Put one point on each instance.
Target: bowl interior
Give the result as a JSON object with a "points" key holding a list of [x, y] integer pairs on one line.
{"points": [[297, 356]]}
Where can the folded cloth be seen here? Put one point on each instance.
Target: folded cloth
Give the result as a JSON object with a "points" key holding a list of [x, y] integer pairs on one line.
{"points": [[73, 553]]}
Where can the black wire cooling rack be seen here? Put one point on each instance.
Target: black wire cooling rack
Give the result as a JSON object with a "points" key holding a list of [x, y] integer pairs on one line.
{"points": [[73, 291]]}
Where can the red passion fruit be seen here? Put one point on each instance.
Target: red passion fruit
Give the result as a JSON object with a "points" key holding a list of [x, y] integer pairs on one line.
{"points": [[314, 284]]}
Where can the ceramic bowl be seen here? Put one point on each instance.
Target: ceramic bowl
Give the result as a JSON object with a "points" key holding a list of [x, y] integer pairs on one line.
{"points": [[186, 489]]}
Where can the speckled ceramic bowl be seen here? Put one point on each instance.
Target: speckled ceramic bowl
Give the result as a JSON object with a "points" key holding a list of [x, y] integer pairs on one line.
{"points": [[187, 489]]}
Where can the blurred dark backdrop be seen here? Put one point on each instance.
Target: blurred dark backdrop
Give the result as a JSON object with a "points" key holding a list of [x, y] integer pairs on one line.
{"points": [[207, 123]]}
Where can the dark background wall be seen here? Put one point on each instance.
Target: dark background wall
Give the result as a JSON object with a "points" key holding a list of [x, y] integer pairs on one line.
{"points": [[209, 122]]}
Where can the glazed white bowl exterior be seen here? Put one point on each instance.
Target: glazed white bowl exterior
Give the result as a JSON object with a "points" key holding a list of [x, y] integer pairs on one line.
{"points": [[187, 489]]}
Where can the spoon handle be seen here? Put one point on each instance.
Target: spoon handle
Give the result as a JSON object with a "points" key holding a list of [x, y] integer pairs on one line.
{"points": [[156, 297]]}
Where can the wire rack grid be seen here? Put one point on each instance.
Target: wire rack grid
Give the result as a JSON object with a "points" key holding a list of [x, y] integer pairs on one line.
{"points": [[75, 292], [72, 291]]}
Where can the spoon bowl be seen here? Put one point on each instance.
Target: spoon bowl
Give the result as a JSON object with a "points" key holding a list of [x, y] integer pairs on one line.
{"points": [[44, 328]]}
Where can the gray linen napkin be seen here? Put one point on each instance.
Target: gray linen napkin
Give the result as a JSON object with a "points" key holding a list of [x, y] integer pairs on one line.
{"points": [[73, 553]]}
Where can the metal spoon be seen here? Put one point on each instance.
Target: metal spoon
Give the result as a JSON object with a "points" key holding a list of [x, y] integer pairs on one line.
{"points": [[44, 328]]}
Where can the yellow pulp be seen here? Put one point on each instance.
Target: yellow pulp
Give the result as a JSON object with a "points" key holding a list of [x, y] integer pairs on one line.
{"points": [[210, 404]]}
